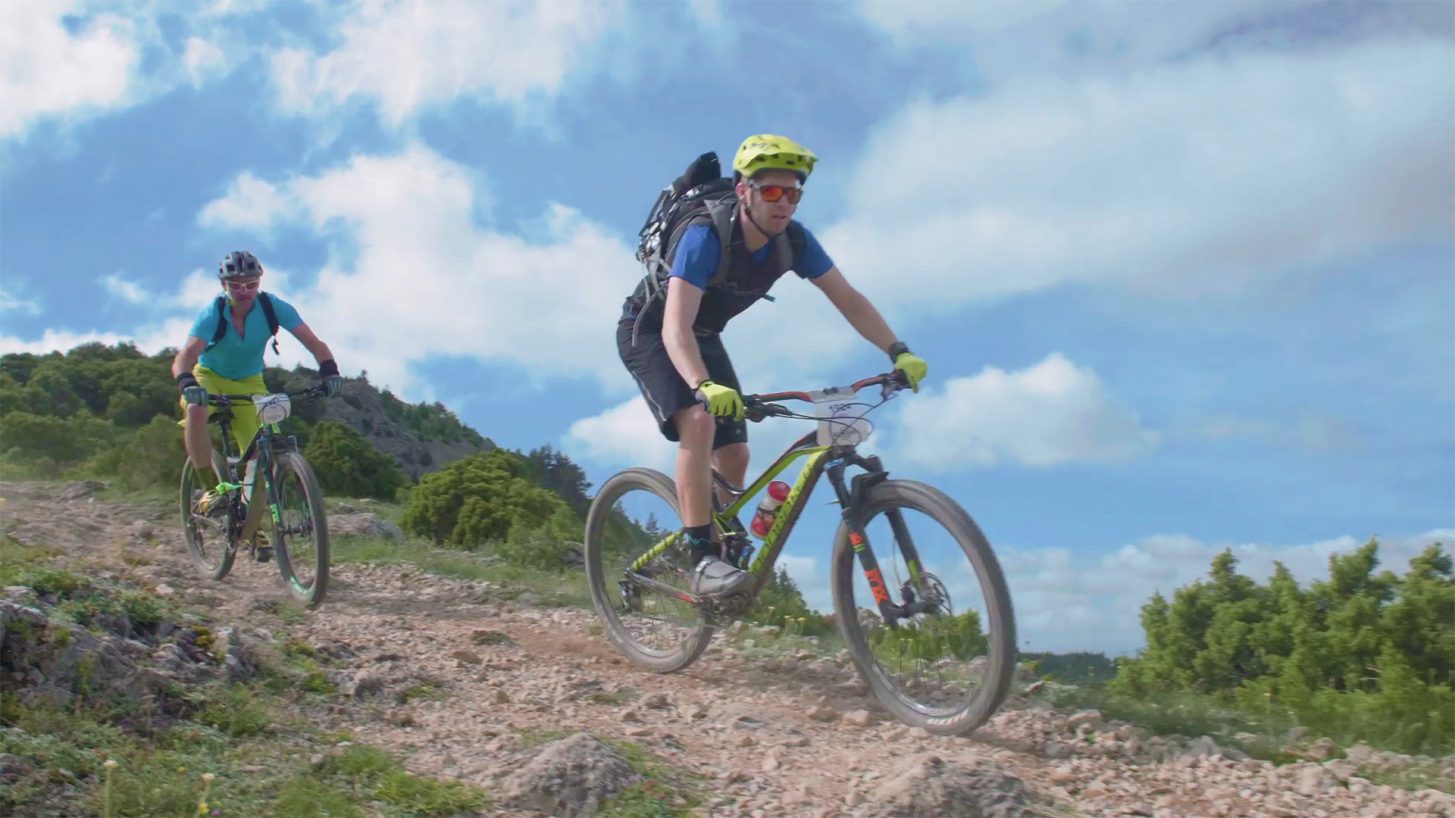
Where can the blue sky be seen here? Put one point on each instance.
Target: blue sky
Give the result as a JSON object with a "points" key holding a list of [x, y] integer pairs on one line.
{"points": [[1184, 273]]}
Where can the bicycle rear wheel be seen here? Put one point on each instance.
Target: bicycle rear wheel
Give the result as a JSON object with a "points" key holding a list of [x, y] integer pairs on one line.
{"points": [[206, 534], [948, 668], [300, 529], [635, 509]]}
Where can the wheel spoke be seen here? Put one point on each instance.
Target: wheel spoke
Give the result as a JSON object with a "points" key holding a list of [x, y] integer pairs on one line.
{"points": [[945, 664], [634, 511]]}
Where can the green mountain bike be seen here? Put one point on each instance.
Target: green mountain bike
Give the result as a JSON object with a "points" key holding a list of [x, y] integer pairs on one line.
{"points": [[927, 617], [284, 493]]}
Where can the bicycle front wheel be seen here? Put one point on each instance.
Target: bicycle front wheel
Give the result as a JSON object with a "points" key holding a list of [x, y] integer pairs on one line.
{"points": [[948, 667], [648, 624], [300, 529], [206, 534]]}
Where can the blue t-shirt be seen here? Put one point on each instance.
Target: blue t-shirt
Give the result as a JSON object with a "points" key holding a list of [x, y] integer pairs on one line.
{"points": [[699, 251], [236, 357]]}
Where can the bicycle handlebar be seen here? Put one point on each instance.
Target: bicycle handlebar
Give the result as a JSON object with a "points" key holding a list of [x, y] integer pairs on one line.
{"points": [[765, 404], [311, 392]]}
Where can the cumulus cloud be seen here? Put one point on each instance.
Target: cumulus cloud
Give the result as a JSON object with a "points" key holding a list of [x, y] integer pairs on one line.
{"points": [[1065, 602], [250, 204], [53, 340], [411, 55], [66, 61], [203, 59], [1070, 601], [50, 71], [625, 434], [1065, 37], [1312, 431], [1207, 175], [424, 278], [12, 301], [1049, 414], [124, 289]]}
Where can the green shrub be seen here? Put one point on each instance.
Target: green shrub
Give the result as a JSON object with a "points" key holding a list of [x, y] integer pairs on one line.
{"points": [[349, 465], [150, 456], [479, 499], [63, 441]]}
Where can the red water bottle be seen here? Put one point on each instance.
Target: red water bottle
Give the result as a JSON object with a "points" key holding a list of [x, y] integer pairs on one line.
{"points": [[768, 508]]}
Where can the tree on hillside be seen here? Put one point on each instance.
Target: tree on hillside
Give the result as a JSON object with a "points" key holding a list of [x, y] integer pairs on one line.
{"points": [[479, 499], [349, 465], [553, 470], [1363, 646]]}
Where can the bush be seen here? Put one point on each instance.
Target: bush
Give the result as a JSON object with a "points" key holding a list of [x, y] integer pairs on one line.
{"points": [[151, 456], [349, 465], [479, 499], [546, 547], [64, 441], [1362, 655]]}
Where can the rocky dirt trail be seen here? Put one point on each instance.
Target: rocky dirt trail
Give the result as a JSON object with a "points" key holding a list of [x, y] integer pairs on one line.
{"points": [[469, 683]]}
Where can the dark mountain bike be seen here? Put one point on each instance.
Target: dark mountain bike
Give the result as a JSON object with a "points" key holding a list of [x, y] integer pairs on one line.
{"points": [[284, 495], [934, 639]]}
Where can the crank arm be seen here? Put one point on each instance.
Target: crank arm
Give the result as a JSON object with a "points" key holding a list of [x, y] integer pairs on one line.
{"points": [[642, 581]]}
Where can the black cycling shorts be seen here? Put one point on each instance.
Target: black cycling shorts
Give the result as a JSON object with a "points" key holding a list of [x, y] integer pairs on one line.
{"points": [[664, 389]]}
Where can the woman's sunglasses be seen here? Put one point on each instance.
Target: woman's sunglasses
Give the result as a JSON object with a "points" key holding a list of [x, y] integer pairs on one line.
{"points": [[243, 286], [772, 193]]}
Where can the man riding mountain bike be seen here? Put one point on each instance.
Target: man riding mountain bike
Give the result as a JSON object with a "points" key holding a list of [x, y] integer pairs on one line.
{"points": [[223, 354], [716, 268]]}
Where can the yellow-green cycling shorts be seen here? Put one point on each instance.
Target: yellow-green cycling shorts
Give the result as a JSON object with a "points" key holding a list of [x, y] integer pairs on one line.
{"points": [[245, 421]]}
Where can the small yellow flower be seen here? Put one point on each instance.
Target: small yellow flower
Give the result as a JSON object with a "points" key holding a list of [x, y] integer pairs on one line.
{"points": [[201, 807]]}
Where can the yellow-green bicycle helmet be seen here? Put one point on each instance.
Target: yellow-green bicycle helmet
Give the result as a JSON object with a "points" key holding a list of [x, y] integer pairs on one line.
{"points": [[770, 152]]}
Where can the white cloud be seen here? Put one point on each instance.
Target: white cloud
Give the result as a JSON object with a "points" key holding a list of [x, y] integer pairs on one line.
{"points": [[1196, 177], [1312, 431], [203, 59], [1050, 414], [424, 279], [49, 71], [11, 301], [707, 13], [625, 434], [128, 291], [1078, 37], [412, 55], [249, 204], [57, 341], [69, 60], [1064, 601]]}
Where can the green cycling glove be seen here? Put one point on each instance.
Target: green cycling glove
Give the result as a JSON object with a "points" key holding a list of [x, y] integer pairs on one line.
{"points": [[912, 365], [722, 401]]}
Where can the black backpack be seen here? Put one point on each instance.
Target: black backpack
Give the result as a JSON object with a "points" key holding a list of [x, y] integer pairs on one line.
{"points": [[224, 315], [699, 194]]}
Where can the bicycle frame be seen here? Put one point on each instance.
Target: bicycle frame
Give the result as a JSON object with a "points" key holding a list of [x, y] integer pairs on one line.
{"points": [[833, 461], [260, 447]]}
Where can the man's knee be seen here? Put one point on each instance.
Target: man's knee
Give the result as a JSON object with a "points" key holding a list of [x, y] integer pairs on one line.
{"points": [[695, 427], [732, 453]]}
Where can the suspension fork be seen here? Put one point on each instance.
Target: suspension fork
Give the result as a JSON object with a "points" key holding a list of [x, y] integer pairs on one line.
{"points": [[850, 497]]}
